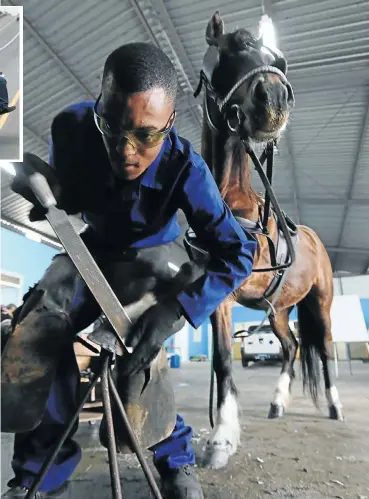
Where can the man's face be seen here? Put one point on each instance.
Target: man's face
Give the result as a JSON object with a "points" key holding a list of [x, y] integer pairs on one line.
{"points": [[130, 118]]}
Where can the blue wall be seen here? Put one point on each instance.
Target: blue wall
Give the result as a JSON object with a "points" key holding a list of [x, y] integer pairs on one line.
{"points": [[242, 314], [365, 306], [24, 256], [198, 347]]}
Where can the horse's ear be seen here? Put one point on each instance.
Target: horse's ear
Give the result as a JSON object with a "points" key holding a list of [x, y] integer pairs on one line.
{"points": [[281, 64], [215, 29]]}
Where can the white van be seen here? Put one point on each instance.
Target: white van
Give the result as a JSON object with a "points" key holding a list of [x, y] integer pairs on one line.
{"points": [[262, 345]]}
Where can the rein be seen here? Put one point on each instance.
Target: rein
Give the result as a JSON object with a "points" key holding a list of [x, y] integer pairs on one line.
{"points": [[270, 198]]}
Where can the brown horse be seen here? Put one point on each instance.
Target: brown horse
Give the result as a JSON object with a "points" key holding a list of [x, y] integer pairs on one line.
{"points": [[265, 99]]}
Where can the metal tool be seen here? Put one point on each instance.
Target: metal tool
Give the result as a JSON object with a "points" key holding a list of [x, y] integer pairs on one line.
{"points": [[80, 255]]}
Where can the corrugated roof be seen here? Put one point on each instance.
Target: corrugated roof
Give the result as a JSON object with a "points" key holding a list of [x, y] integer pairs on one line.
{"points": [[323, 157]]}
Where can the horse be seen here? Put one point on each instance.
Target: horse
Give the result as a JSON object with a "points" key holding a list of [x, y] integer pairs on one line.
{"points": [[246, 79]]}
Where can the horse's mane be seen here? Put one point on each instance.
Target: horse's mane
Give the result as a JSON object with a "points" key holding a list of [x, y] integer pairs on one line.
{"points": [[237, 166]]}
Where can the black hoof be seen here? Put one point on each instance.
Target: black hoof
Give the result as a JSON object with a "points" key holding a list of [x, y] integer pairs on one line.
{"points": [[335, 413], [276, 411]]}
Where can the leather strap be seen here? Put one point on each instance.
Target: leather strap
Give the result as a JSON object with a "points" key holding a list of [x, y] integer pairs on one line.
{"points": [[269, 172]]}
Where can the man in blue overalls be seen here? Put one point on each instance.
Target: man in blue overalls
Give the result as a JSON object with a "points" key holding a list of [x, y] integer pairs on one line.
{"points": [[120, 162], [4, 99]]}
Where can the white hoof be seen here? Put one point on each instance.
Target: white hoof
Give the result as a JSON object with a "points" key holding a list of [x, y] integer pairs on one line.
{"points": [[216, 456], [281, 397], [221, 445]]}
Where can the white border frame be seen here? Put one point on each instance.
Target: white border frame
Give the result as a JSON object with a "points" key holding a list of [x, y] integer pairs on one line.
{"points": [[20, 102]]}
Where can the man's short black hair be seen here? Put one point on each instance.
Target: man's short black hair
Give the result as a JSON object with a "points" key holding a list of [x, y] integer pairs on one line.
{"points": [[139, 67]]}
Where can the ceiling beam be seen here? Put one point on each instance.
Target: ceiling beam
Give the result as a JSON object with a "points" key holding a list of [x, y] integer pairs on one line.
{"points": [[325, 201], [35, 135], [16, 226], [171, 31], [186, 101], [45, 45], [6, 181], [346, 273], [366, 267], [294, 176], [329, 80], [355, 169], [159, 25], [338, 249], [38, 138], [327, 62], [59, 61], [267, 7]]}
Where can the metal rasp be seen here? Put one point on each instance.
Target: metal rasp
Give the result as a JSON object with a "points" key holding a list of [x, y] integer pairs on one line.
{"points": [[79, 254]]}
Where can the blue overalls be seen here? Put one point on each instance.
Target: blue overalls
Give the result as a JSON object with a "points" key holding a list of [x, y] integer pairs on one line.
{"points": [[31, 449], [177, 179], [4, 99]]}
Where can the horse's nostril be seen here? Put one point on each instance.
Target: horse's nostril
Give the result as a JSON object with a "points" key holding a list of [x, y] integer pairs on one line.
{"points": [[290, 96], [260, 92]]}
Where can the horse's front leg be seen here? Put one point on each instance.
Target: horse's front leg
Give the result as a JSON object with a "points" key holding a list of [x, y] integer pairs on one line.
{"points": [[225, 436]]}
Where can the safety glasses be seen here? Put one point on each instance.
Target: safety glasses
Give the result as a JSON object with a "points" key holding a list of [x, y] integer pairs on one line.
{"points": [[138, 138]]}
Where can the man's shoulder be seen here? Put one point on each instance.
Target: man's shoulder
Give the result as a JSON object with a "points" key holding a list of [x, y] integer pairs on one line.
{"points": [[75, 125], [74, 114], [186, 151], [79, 109], [75, 140]]}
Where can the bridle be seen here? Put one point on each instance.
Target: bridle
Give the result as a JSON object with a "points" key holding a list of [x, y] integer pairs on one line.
{"points": [[222, 103], [210, 64]]}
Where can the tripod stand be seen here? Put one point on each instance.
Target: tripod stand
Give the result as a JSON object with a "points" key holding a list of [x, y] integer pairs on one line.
{"points": [[108, 390]]}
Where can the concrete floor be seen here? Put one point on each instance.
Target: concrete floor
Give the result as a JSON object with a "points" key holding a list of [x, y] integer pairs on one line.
{"points": [[304, 456], [9, 65]]}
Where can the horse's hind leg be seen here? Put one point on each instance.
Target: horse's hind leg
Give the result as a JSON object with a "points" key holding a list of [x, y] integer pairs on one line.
{"points": [[331, 392], [315, 330], [225, 436], [281, 329]]}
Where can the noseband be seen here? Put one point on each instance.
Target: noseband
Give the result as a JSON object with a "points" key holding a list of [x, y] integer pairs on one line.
{"points": [[247, 76]]}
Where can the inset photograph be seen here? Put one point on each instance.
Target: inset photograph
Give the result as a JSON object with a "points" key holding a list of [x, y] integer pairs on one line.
{"points": [[11, 123]]}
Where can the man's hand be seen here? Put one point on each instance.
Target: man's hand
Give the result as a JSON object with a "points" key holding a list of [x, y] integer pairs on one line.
{"points": [[21, 186], [148, 335]]}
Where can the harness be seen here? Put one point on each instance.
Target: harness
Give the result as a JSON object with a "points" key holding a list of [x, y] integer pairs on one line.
{"points": [[282, 253]]}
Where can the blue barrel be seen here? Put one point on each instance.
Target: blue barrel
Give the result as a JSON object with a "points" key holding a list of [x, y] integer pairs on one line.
{"points": [[175, 361]]}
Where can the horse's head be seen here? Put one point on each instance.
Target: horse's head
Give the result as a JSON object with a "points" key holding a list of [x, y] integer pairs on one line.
{"points": [[248, 83]]}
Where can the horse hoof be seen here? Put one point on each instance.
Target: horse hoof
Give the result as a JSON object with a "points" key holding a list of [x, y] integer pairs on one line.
{"points": [[276, 411], [216, 456], [335, 413]]}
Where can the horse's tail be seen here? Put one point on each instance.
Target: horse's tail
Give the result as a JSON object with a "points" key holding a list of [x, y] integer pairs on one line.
{"points": [[312, 338]]}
